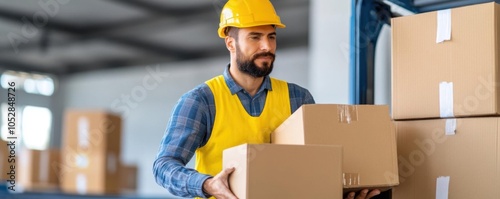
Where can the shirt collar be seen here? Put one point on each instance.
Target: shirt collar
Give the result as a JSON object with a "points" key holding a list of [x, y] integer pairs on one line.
{"points": [[235, 88]]}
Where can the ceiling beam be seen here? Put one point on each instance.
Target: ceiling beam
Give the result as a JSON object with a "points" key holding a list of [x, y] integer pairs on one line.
{"points": [[25, 67], [85, 34], [163, 10]]}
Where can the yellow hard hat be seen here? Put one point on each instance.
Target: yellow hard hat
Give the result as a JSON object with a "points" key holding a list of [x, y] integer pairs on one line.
{"points": [[248, 13]]}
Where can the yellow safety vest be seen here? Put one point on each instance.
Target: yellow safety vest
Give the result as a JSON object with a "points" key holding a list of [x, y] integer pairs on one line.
{"points": [[234, 126]]}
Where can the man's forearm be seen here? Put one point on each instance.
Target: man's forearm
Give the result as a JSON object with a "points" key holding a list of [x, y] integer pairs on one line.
{"points": [[177, 179]]}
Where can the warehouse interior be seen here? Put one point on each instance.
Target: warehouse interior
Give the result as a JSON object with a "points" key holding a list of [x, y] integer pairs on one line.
{"points": [[137, 58]]}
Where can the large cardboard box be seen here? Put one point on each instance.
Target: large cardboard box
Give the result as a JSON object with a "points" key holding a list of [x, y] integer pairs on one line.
{"points": [[91, 152], [461, 165], [453, 78], [268, 171], [38, 170], [366, 133]]}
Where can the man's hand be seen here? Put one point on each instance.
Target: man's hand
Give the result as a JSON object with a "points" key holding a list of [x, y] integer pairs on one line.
{"points": [[218, 186], [364, 194]]}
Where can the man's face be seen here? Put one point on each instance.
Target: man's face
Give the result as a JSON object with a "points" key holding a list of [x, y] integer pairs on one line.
{"points": [[255, 48]]}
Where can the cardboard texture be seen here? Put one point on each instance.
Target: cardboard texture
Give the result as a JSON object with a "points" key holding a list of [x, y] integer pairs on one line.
{"points": [[38, 170], [128, 175], [268, 171], [470, 158], [469, 61], [91, 152], [366, 133], [4, 160]]}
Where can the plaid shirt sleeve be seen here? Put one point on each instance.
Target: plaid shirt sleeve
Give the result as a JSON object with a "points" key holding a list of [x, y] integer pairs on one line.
{"points": [[299, 96], [185, 132]]}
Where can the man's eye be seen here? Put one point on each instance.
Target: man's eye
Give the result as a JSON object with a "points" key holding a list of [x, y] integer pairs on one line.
{"points": [[254, 38]]}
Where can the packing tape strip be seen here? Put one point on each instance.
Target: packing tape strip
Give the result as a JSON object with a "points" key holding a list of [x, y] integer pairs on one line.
{"points": [[112, 164], [442, 185], [82, 161], [81, 183], [83, 132], [446, 99], [451, 127], [443, 25], [351, 179], [347, 113]]}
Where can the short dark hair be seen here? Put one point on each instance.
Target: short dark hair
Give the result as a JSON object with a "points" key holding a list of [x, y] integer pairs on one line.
{"points": [[232, 32]]}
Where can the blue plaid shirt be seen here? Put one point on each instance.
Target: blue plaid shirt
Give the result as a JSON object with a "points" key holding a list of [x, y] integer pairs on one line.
{"points": [[190, 127]]}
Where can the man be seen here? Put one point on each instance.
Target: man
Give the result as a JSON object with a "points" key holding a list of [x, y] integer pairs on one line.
{"points": [[244, 105]]}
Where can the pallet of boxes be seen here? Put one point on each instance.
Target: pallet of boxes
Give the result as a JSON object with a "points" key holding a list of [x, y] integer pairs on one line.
{"points": [[320, 151], [446, 102], [28, 170], [91, 151]]}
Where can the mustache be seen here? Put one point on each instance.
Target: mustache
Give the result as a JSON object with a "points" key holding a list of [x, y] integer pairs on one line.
{"points": [[263, 54]]}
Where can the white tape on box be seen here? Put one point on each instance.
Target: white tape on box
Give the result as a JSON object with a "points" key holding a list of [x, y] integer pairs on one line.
{"points": [[112, 163], [451, 127], [443, 25], [81, 183], [446, 99], [82, 161], [83, 132], [442, 185]]}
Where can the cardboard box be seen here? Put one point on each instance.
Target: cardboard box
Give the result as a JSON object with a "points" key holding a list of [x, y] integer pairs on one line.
{"points": [[4, 161], [366, 133], [128, 175], [470, 158], [284, 171], [91, 152], [38, 170], [454, 78]]}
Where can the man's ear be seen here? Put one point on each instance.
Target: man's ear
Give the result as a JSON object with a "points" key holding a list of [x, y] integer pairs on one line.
{"points": [[230, 43]]}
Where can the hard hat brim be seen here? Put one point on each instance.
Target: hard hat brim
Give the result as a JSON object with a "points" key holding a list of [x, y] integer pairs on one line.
{"points": [[222, 34]]}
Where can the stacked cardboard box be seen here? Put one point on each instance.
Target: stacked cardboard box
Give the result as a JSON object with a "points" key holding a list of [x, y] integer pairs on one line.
{"points": [[4, 161], [366, 133], [284, 171], [128, 181], [38, 170], [445, 65], [91, 152]]}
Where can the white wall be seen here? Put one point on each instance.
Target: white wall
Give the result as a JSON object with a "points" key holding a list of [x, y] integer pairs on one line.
{"points": [[329, 50], [147, 113], [383, 67]]}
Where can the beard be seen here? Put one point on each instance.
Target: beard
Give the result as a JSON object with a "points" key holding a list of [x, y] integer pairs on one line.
{"points": [[249, 67]]}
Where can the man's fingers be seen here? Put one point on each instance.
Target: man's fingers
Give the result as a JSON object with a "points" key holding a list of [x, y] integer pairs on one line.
{"points": [[373, 193], [362, 194], [351, 195], [228, 171]]}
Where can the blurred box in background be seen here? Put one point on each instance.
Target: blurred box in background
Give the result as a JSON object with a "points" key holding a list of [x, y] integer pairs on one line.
{"points": [[38, 170], [4, 161], [284, 171], [129, 176], [366, 133], [91, 151]]}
